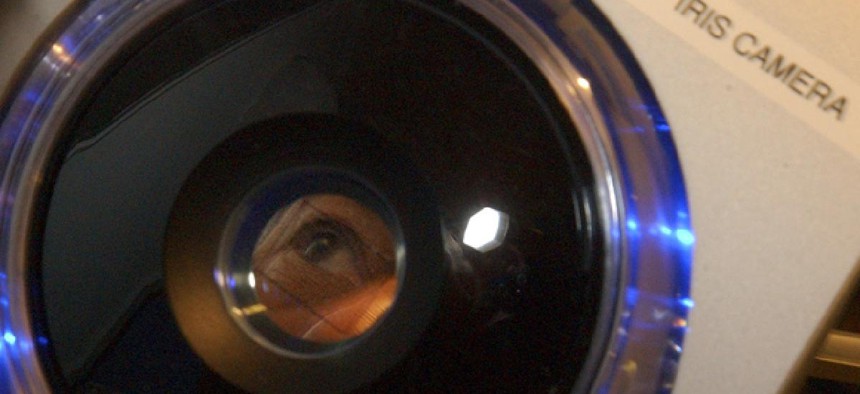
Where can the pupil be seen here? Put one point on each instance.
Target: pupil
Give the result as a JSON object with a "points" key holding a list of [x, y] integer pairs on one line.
{"points": [[320, 247]]}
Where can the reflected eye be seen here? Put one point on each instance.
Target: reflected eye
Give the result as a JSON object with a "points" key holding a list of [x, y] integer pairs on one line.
{"points": [[329, 245], [321, 246]]}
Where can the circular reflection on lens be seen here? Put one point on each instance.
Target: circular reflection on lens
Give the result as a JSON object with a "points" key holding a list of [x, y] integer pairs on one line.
{"points": [[324, 268]]}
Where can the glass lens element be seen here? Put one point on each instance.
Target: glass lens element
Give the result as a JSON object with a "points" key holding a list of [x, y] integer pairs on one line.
{"points": [[324, 268]]}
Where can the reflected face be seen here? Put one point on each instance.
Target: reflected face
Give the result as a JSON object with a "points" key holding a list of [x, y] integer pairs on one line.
{"points": [[325, 268]]}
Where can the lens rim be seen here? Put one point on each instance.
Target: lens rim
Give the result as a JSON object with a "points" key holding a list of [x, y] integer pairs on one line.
{"points": [[642, 197], [236, 168], [244, 227]]}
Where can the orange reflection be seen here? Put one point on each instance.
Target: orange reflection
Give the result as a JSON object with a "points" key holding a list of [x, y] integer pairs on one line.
{"points": [[325, 268]]}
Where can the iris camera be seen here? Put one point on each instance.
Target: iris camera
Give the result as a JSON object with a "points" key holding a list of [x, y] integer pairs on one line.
{"points": [[621, 196]]}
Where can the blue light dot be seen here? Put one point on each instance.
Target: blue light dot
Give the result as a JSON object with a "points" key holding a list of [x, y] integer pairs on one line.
{"points": [[685, 237], [9, 338], [632, 225], [687, 302], [32, 95], [665, 230], [631, 297]]}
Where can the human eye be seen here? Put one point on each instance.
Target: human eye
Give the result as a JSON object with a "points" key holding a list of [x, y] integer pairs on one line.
{"points": [[329, 245]]}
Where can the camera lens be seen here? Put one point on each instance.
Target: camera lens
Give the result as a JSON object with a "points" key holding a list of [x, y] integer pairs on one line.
{"points": [[326, 268], [313, 269], [339, 195]]}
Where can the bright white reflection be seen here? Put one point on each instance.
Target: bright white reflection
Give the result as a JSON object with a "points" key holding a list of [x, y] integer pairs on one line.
{"points": [[252, 280], [486, 229], [61, 53], [583, 83]]}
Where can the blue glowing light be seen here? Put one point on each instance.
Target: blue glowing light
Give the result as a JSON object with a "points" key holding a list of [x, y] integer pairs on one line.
{"points": [[632, 225], [31, 96], [687, 302], [665, 230], [10, 338], [685, 237], [68, 43], [631, 296]]}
